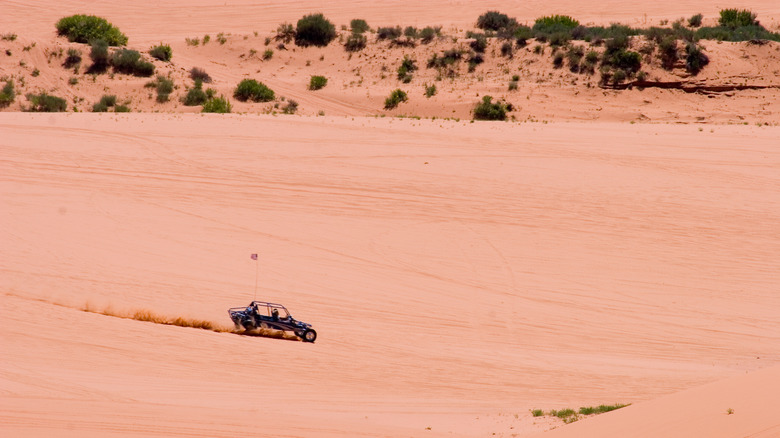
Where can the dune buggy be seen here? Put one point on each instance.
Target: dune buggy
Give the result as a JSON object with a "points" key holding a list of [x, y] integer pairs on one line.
{"points": [[260, 314]]}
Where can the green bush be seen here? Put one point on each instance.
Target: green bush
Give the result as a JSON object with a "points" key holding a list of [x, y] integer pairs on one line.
{"points": [[355, 42], [358, 25], [317, 82], [130, 62], [427, 34], [558, 60], [250, 89], [554, 24], [87, 28], [388, 33], [734, 18], [195, 95], [268, 54], [314, 30], [430, 90], [164, 87], [667, 52], [99, 56], [7, 94], [73, 58], [411, 32], [479, 42], [161, 52], [217, 105], [522, 35], [695, 20], [448, 58], [106, 102], [285, 32], [396, 97], [489, 110], [494, 20], [406, 68], [695, 59], [43, 103], [121, 109]]}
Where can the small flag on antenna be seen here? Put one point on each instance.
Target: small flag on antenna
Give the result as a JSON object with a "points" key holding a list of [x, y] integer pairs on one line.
{"points": [[254, 256]]}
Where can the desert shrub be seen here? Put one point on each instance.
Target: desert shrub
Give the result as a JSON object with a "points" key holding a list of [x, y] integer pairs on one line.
{"points": [[355, 42], [592, 57], [427, 34], [73, 58], [411, 32], [7, 94], [408, 65], [641, 76], [317, 82], [163, 86], [558, 60], [474, 60], [206, 39], [314, 30], [626, 60], [250, 89], [268, 54], [695, 59], [217, 105], [558, 39], [358, 25], [618, 76], [489, 110], [192, 41], [574, 55], [87, 28], [388, 33], [507, 49], [161, 52], [221, 39], [695, 20], [44, 103], [479, 42], [522, 35], [198, 74], [285, 32], [512, 85], [291, 107], [494, 20], [106, 102], [195, 95], [430, 90], [667, 52], [121, 109], [396, 97], [448, 57], [554, 24], [130, 62], [99, 56], [9, 37], [734, 18]]}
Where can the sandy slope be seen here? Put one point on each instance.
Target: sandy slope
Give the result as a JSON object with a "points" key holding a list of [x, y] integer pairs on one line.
{"points": [[458, 274], [738, 406], [149, 20]]}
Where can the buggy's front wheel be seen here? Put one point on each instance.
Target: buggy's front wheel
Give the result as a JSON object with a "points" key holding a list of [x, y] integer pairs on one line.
{"points": [[309, 336]]}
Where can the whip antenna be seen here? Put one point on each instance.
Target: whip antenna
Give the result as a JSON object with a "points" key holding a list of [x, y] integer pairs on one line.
{"points": [[257, 270]]}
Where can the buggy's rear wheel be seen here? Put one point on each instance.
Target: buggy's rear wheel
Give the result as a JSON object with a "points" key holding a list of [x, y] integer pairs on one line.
{"points": [[309, 336]]}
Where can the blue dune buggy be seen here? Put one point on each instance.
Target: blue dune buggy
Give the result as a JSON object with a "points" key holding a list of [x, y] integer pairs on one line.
{"points": [[260, 314]]}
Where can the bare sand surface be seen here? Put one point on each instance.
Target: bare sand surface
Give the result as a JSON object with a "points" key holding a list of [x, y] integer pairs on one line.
{"points": [[459, 275]]}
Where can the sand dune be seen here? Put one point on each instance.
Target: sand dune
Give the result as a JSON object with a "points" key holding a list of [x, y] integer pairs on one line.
{"points": [[458, 274], [738, 406]]}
